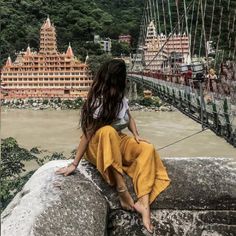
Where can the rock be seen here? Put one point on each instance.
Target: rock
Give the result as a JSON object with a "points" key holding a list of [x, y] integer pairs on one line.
{"points": [[201, 200], [163, 108], [52, 205], [35, 150]]}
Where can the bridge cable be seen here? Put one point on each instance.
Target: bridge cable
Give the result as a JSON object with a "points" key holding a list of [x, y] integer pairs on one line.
{"points": [[184, 138], [204, 31], [170, 35], [177, 9], [195, 33], [158, 18], [203, 12], [191, 27], [218, 40], [164, 16], [154, 13], [170, 16], [141, 36], [212, 19], [186, 18]]}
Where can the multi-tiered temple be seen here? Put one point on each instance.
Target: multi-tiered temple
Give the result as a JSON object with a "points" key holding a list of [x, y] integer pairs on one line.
{"points": [[178, 44], [46, 73]]}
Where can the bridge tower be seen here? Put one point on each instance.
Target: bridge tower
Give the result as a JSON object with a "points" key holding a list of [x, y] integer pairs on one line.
{"points": [[132, 92]]}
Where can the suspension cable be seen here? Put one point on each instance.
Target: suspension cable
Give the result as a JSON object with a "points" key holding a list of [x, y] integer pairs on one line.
{"points": [[191, 27], [164, 16], [180, 140], [218, 40], [170, 17], [195, 34], [169, 36], [212, 19]]}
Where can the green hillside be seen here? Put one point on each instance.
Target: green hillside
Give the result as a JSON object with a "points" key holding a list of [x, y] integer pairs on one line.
{"points": [[77, 21]]}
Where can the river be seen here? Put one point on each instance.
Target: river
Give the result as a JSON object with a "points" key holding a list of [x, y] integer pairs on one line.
{"points": [[57, 131]]}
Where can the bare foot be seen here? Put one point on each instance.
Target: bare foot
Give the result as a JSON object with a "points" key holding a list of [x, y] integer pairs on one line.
{"points": [[126, 201], [146, 215]]}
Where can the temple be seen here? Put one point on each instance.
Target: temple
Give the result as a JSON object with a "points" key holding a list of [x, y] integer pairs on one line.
{"points": [[47, 73], [177, 44]]}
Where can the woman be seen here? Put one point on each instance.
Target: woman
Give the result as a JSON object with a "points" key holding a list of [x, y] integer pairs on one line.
{"points": [[103, 116]]}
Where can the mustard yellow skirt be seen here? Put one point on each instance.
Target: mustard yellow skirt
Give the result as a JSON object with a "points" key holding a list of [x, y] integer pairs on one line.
{"points": [[140, 161]]}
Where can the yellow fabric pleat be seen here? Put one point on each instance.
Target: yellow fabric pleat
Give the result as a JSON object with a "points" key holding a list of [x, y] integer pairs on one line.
{"points": [[139, 160]]}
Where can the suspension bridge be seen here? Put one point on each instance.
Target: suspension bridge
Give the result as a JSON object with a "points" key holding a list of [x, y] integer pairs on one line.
{"points": [[186, 56]]}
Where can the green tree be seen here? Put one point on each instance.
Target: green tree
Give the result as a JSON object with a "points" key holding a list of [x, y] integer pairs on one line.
{"points": [[96, 61], [119, 49], [12, 169]]}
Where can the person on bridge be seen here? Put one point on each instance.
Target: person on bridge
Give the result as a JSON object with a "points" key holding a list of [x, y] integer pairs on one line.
{"points": [[114, 153]]}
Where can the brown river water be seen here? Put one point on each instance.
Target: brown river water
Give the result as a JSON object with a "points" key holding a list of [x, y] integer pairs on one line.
{"points": [[57, 131]]}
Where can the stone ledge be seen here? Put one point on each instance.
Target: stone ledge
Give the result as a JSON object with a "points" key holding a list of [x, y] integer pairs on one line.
{"points": [[198, 183], [201, 200], [174, 223]]}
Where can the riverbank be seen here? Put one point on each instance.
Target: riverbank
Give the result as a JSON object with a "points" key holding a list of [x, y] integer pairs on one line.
{"points": [[141, 104]]}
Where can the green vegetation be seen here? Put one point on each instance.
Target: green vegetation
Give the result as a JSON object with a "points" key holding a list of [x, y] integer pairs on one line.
{"points": [[76, 22], [13, 173], [147, 102], [95, 61]]}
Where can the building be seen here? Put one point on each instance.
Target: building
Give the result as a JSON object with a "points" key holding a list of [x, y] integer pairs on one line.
{"points": [[154, 43], [137, 62], [104, 43], [125, 39], [151, 48], [47, 73]]}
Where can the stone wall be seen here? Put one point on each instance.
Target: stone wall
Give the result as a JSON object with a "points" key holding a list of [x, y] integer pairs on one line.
{"points": [[201, 200]]}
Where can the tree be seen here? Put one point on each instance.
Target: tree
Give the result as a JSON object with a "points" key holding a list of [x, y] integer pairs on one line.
{"points": [[95, 62], [12, 169], [119, 49]]}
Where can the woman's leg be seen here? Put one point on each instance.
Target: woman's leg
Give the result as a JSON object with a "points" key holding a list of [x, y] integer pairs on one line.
{"points": [[125, 198], [143, 164], [104, 152], [142, 206]]}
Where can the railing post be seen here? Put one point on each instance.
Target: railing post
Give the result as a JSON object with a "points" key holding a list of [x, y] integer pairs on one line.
{"points": [[189, 102], [227, 120], [202, 105], [216, 121], [180, 99], [174, 97]]}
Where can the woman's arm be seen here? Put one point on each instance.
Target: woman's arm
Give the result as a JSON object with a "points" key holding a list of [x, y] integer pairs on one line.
{"points": [[133, 128], [132, 125], [79, 154]]}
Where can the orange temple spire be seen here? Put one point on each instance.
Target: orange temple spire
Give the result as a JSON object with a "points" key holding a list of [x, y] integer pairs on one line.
{"points": [[8, 62], [28, 51], [47, 73], [48, 42], [69, 52]]}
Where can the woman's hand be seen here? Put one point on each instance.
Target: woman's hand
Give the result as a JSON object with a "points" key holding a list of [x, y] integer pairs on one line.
{"points": [[138, 139], [66, 170]]}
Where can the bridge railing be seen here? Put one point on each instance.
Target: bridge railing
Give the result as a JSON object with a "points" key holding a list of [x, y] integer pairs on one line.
{"points": [[217, 115]]}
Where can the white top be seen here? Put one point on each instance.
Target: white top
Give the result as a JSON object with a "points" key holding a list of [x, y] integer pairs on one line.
{"points": [[122, 120], [121, 113]]}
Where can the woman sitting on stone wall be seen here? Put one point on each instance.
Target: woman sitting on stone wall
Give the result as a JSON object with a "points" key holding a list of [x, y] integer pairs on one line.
{"points": [[103, 116]]}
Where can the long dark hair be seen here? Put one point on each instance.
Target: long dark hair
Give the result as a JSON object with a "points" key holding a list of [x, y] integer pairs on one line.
{"points": [[107, 91]]}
